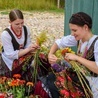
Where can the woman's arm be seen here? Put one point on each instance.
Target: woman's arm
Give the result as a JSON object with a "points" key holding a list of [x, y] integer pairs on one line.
{"points": [[51, 57], [61, 43], [91, 65], [33, 47], [53, 49], [8, 48], [9, 51]]}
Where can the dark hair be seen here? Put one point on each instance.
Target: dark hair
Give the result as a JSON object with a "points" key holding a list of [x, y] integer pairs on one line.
{"points": [[15, 14], [81, 19]]}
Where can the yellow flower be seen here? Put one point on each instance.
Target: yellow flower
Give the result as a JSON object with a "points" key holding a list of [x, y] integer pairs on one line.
{"points": [[41, 38], [67, 50]]}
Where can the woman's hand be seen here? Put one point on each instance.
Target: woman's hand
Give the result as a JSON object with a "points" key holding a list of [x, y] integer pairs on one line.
{"points": [[33, 47], [52, 58], [71, 56]]}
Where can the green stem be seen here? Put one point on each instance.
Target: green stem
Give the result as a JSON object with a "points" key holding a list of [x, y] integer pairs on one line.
{"points": [[29, 91], [81, 78]]}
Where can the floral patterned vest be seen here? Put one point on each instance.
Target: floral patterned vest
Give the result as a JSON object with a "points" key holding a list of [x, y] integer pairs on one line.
{"points": [[90, 55]]}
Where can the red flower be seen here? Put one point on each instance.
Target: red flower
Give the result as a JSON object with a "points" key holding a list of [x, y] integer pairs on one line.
{"points": [[2, 95], [21, 59], [69, 78], [64, 92], [58, 83], [42, 55], [75, 94], [60, 78]]}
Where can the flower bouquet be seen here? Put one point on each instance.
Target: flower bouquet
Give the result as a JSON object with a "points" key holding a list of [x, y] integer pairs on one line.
{"points": [[70, 78], [40, 62], [16, 88]]}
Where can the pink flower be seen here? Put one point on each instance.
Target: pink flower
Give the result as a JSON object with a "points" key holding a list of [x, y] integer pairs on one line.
{"points": [[60, 78], [64, 92]]}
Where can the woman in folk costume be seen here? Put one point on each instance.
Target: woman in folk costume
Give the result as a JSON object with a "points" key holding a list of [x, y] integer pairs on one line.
{"points": [[16, 45], [81, 35]]}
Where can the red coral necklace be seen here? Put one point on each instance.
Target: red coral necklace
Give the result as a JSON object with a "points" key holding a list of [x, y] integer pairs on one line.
{"points": [[17, 35]]}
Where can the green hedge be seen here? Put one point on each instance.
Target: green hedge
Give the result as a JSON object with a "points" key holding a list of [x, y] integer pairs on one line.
{"points": [[29, 4]]}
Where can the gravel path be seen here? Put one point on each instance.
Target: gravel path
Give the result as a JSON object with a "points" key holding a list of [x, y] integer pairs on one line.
{"points": [[39, 21]]}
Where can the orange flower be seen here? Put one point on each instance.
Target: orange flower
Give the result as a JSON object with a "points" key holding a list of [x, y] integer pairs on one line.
{"points": [[17, 76], [30, 84], [14, 83], [64, 51]]}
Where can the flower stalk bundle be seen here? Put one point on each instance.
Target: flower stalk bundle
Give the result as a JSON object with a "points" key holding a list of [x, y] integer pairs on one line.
{"points": [[81, 75], [66, 75], [40, 55]]}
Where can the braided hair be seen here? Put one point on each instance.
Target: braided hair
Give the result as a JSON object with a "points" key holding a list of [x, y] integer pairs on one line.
{"points": [[81, 19]]}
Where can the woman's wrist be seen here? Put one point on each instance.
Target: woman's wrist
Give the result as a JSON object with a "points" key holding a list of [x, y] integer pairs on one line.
{"points": [[78, 58]]}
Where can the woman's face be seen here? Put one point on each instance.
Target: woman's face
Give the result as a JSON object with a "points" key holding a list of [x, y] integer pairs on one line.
{"points": [[17, 24], [77, 31]]}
